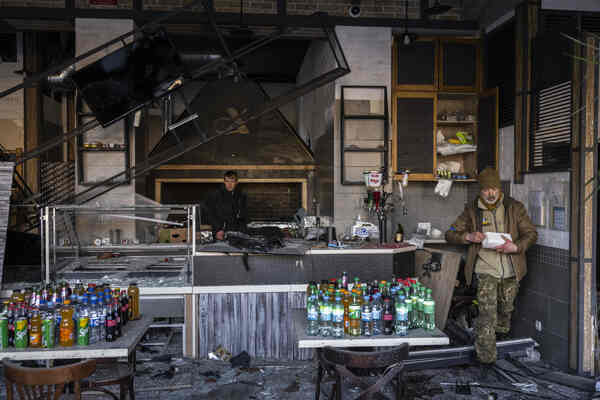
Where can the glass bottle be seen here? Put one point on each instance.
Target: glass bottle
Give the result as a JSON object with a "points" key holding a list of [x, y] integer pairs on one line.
{"points": [[399, 236], [354, 311], [134, 301], [429, 311]]}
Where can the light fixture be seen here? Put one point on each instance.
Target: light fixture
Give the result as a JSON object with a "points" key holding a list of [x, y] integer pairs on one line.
{"points": [[407, 38]]}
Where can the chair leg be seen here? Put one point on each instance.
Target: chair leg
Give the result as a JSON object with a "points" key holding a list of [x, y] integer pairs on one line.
{"points": [[131, 389], [319, 378], [123, 390]]}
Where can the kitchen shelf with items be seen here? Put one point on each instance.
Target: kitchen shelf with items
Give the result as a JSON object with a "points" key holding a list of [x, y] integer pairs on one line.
{"points": [[456, 136]]}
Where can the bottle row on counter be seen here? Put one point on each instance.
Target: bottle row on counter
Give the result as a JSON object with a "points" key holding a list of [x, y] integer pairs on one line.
{"points": [[57, 314], [337, 308]]}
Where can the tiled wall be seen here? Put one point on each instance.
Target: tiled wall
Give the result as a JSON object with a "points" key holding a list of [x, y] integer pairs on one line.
{"points": [[544, 291], [550, 183], [544, 297]]}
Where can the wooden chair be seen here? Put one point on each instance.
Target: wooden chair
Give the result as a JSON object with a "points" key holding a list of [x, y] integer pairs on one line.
{"points": [[358, 368], [120, 375], [45, 383]]}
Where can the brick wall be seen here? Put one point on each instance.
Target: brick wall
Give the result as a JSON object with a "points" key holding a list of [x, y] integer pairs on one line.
{"points": [[372, 8], [266, 201]]}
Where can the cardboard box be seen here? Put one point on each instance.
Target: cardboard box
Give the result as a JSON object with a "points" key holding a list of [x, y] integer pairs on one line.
{"points": [[174, 235]]}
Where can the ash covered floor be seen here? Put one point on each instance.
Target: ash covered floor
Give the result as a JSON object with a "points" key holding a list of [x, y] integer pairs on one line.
{"points": [[163, 374]]}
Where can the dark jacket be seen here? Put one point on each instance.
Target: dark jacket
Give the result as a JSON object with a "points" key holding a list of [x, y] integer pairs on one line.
{"points": [[228, 210], [517, 223]]}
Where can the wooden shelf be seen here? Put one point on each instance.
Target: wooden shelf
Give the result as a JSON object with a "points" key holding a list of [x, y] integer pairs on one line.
{"points": [[101, 149], [455, 122]]}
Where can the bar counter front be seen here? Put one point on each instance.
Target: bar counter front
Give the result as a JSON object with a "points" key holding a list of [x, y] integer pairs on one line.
{"points": [[217, 294]]}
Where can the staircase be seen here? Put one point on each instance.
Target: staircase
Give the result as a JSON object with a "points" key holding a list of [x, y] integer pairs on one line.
{"points": [[6, 182]]}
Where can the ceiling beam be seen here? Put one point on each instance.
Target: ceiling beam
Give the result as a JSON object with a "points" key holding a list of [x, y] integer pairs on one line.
{"points": [[194, 17]]}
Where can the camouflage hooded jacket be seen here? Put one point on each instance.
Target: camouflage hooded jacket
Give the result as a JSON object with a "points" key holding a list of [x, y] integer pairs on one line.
{"points": [[517, 223]]}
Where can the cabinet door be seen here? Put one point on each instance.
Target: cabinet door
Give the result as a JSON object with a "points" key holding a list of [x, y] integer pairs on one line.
{"points": [[415, 147], [487, 130], [459, 65], [414, 65]]}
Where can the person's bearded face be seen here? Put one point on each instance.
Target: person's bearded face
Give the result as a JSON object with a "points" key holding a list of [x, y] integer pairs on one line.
{"points": [[490, 195]]}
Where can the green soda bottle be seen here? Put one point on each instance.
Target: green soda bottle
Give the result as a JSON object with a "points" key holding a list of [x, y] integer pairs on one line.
{"points": [[354, 311], [420, 300], [429, 311]]}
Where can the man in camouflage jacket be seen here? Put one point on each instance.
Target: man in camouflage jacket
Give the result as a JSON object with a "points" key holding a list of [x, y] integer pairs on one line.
{"points": [[498, 270]]}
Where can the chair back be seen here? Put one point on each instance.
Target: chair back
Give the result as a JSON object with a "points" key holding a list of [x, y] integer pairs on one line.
{"points": [[366, 359], [45, 383]]}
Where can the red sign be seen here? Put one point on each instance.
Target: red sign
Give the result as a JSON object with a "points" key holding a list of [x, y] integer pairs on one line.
{"points": [[103, 2]]}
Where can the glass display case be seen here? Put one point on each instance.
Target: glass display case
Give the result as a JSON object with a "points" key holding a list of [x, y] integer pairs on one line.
{"points": [[151, 245]]}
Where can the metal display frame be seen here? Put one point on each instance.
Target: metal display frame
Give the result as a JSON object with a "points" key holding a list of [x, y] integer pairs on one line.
{"points": [[50, 247]]}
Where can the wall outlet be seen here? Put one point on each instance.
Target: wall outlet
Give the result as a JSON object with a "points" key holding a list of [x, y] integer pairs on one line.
{"points": [[538, 326]]}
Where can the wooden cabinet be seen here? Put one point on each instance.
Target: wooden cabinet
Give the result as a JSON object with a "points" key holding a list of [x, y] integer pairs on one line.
{"points": [[415, 147], [446, 64], [459, 65], [414, 66], [425, 123], [436, 101]]}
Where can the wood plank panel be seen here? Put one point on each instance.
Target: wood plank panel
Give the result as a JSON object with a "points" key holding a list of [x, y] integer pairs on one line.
{"points": [[259, 323], [441, 282]]}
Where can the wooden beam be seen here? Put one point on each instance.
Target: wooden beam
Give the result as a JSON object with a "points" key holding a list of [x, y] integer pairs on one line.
{"points": [[196, 167], [33, 108]]}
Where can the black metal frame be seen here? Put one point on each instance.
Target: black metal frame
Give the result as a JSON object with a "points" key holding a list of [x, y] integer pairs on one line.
{"points": [[81, 149], [147, 165], [344, 118]]}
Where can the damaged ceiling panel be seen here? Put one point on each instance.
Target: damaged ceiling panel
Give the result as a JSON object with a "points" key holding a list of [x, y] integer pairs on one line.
{"points": [[269, 139]]}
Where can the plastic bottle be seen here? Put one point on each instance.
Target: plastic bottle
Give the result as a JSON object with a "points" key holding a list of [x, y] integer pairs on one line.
{"points": [[420, 316], [429, 311], [312, 316], [354, 311], [325, 317], [338, 317], [376, 314], [83, 323], [67, 327], [111, 324], [94, 319], [366, 327], [388, 316], [401, 325], [35, 333], [346, 302]]}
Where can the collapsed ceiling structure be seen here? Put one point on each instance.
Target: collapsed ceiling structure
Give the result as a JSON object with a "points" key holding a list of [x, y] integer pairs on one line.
{"points": [[173, 84]]}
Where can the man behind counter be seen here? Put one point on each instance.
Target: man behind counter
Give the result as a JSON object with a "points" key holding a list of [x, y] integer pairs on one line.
{"points": [[227, 207], [498, 270]]}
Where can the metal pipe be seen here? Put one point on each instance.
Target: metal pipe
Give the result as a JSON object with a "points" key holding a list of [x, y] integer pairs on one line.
{"points": [[62, 76]]}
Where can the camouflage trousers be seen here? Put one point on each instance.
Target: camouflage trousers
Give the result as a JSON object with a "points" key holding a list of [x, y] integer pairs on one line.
{"points": [[496, 298]]}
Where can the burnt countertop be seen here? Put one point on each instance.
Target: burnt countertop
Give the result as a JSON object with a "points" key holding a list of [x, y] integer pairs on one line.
{"points": [[303, 247]]}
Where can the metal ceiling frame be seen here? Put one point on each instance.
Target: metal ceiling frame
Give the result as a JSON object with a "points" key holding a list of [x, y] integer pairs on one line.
{"points": [[149, 164]]}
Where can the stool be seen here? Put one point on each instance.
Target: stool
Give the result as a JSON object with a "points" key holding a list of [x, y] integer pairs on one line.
{"points": [[387, 364]]}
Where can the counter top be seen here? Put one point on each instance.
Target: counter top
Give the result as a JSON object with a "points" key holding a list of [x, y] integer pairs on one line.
{"points": [[301, 247]]}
